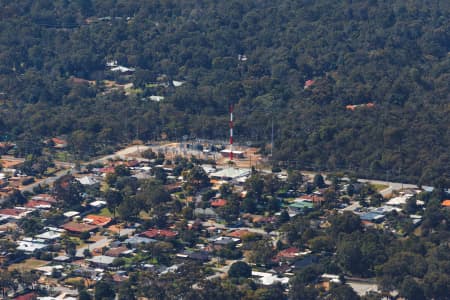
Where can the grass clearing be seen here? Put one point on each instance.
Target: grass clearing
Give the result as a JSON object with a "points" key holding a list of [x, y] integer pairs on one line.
{"points": [[28, 265], [379, 187], [105, 213], [144, 215], [133, 91], [79, 242], [152, 85], [63, 156], [104, 186]]}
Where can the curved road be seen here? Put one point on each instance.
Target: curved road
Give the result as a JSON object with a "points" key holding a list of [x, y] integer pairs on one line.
{"points": [[123, 154]]}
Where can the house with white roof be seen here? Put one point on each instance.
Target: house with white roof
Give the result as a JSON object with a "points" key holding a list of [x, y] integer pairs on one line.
{"points": [[266, 278], [231, 173], [30, 246]]}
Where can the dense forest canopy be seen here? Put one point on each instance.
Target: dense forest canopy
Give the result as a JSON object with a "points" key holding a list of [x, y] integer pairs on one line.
{"points": [[394, 54]]}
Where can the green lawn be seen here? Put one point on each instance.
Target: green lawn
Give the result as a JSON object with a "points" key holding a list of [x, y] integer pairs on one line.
{"points": [[134, 91], [51, 171], [144, 215], [63, 156], [379, 187], [105, 213], [28, 265], [104, 186], [152, 85]]}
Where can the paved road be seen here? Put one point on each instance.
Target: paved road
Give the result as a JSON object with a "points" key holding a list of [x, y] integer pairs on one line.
{"points": [[46, 181], [61, 290], [127, 231], [353, 207], [362, 285], [222, 270], [223, 227], [393, 186], [99, 244], [57, 162], [50, 180], [122, 154]]}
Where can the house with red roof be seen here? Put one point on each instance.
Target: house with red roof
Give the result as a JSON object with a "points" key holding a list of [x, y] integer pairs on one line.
{"points": [[107, 170], [6, 146], [159, 233], [308, 83], [288, 254], [78, 80], [218, 203], [132, 163], [44, 197], [38, 204], [97, 220], [118, 278], [240, 233], [316, 199], [59, 143], [27, 296], [78, 228], [118, 251], [3, 183], [14, 213], [353, 107]]}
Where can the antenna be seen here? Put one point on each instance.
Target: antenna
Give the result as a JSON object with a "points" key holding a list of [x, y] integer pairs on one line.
{"points": [[271, 141], [231, 131]]}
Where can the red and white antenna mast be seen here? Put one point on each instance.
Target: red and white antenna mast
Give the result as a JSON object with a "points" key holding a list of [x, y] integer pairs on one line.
{"points": [[231, 131]]}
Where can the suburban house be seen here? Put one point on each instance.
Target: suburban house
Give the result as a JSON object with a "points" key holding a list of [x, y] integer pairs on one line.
{"points": [[201, 256], [59, 143], [101, 261], [44, 197], [300, 207], [159, 233], [30, 246], [236, 154], [224, 241], [289, 254], [239, 234], [38, 204], [372, 217], [231, 173], [97, 220], [118, 251], [14, 213], [88, 180], [134, 241], [218, 203], [308, 83], [79, 228], [207, 213], [51, 235]]}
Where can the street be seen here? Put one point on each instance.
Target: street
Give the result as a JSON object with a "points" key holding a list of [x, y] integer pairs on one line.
{"points": [[46, 181], [97, 245], [124, 154]]}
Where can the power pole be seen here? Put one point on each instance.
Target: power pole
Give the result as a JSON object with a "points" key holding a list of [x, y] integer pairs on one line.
{"points": [[271, 142]]}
